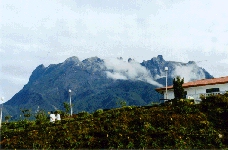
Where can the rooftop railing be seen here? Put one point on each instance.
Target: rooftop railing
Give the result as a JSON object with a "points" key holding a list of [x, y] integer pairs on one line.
{"points": [[197, 96]]}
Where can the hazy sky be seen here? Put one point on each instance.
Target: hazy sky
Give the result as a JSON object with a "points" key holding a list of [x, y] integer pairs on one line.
{"points": [[35, 32]]}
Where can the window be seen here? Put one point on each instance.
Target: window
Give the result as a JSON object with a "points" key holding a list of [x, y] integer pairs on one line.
{"points": [[212, 90]]}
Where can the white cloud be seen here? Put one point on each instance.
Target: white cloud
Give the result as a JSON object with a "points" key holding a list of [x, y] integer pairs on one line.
{"points": [[188, 72], [119, 69], [116, 75]]}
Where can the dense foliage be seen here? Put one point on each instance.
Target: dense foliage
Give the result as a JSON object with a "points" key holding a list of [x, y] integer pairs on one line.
{"points": [[177, 87], [184, 125]]}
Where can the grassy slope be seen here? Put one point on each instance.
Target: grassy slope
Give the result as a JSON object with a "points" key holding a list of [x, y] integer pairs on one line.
{"points": [[183, 126]]}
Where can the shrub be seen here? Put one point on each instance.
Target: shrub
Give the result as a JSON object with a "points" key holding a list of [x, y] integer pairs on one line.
{"points": [[121, 102], [128, 107], [26, 113], [215, 101], [83, 114], [41, 117], [7, 118], [98, 112], [185, 106], [65, 115], [13, 125]]}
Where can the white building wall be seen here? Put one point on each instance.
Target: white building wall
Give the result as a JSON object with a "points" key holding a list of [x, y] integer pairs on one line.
{"points": [[195, 92], [170, 94]]}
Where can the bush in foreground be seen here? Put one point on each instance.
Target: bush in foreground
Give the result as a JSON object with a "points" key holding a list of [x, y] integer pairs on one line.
{"points": [[182, 126]]}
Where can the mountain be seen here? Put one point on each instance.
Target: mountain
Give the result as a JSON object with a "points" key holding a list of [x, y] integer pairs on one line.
{"points": [[97, 83], [157, 64]]}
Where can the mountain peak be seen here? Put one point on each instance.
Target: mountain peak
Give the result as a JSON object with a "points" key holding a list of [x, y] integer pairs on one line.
{"points": [[191, 62], [92, 59], [73, 58], [37, 73], [130, 59], [120, 58], [160, 58]]}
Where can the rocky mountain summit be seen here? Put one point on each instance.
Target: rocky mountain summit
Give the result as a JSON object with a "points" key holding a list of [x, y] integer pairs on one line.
{"points": [[98, 83], [157, 64]]}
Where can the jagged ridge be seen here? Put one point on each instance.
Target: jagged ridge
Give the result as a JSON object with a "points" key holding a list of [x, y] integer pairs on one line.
{"points": [[91, 89]]}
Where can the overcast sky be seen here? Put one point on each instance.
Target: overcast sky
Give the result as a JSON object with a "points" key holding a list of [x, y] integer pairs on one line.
{"points": [[35, 32]]}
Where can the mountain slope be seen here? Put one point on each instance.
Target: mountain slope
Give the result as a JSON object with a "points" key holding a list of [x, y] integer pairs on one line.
{"points": [[95, 83]]}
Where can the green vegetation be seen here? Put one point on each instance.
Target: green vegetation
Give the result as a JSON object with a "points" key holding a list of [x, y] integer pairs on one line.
{"points": [[41, 117], [7, 118], [177, 87], [26, 113], [183, 125], [121, 102], [67, 106]]}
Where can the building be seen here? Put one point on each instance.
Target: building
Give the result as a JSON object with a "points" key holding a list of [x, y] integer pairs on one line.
{"points": [[194, 89]]}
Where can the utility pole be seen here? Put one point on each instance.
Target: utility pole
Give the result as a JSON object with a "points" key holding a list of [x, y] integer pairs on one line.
{"points": [[70, 103], [2, 98], [166, 70]]}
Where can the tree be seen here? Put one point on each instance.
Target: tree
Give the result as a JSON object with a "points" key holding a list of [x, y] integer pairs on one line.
{"points": [[121, 102], [7, 118], [26, 113], [41, 117], [66, 106], [178, 89]]}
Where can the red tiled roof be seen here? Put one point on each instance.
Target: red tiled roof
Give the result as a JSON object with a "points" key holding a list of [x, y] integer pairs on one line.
{"points": [[202, 82]]}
